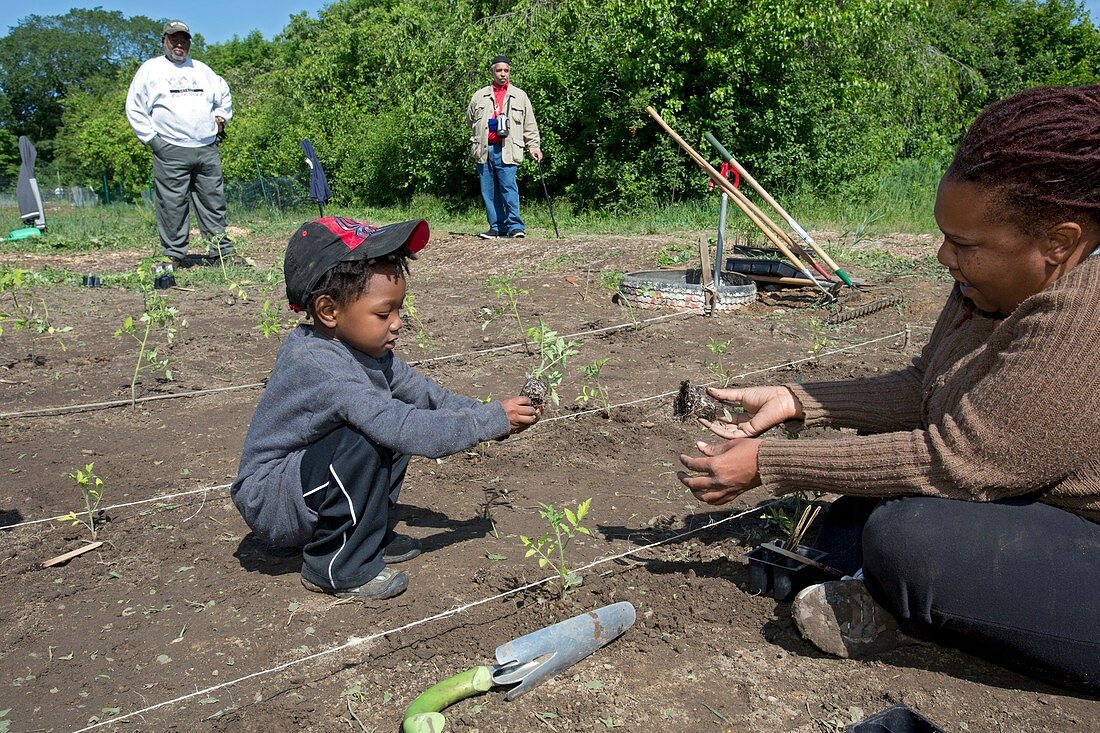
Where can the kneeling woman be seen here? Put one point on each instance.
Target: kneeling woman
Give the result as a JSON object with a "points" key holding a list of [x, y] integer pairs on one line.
{"points": [[972, 508]]}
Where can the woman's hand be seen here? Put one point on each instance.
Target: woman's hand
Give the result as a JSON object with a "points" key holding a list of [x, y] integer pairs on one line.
{"points": [[765, 407], [726, 470], [521, 413]]}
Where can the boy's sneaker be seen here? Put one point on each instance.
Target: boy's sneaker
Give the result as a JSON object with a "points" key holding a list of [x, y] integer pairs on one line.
{"points": [[491, 234], [841, 618], [401, 549], [386, 584], [517, 234]]}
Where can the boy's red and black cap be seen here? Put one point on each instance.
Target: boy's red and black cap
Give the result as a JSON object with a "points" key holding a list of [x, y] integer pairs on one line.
{"points": [[322, 244]]}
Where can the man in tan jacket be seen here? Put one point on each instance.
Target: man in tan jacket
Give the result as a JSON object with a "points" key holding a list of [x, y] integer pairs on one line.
{"points": [[503, 124]]}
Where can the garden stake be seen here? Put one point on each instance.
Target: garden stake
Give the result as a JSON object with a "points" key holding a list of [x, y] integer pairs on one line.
{"points": [[755, 215], [549, 206], [781, 211]]}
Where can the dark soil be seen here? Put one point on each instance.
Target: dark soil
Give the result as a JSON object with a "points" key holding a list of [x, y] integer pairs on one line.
{"points": [[179, 602]]}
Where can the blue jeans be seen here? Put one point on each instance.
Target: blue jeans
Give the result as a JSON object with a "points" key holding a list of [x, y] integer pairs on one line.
{"points": [[501, 193]]}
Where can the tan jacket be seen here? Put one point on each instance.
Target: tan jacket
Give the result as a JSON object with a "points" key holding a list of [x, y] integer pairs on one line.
{"points": [[523, 133]]}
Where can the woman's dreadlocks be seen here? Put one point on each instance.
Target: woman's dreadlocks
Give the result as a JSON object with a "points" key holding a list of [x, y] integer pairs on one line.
{"points": [[1040, 150]]}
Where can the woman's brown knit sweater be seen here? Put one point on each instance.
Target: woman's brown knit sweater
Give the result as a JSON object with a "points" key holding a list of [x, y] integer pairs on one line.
{"points": [[989, 410]]}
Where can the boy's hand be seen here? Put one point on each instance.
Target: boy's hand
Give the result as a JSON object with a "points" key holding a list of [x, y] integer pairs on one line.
{"points": [[521, 413]]}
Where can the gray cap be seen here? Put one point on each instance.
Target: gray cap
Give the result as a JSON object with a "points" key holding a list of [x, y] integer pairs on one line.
{"points": [[176, 26]]}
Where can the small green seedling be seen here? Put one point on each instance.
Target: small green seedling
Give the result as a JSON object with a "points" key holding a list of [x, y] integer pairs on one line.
{"points": [[91, 490], [550, 547], [411, 314], [820, 336], [592, 390], [159, 314], [718, 368], [791, 516], [271, 321], [554, 352], [504, 286], [613, 281], [24, 314]]}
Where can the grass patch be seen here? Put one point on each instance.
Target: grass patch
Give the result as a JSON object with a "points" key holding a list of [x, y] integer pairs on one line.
{"points": [[899, 201]]}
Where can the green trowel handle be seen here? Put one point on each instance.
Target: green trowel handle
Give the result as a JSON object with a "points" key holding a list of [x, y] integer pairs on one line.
{"points": [[423, 714]]}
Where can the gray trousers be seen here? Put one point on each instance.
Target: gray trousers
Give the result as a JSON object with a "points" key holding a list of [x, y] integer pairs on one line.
{"points": [[184, 176]]}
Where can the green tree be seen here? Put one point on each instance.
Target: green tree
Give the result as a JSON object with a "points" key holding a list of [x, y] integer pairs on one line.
{"points": [[44, 58], [96, 138]]}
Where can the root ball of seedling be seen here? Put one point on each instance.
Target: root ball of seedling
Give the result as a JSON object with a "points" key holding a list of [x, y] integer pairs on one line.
{"points": [[693, 402], [536, 390]]}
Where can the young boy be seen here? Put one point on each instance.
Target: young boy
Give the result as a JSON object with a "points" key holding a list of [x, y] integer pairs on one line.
{"points": [[326, 453]]}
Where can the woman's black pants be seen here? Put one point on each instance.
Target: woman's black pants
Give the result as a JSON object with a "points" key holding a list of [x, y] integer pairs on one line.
{"points": [[1017, 582]]}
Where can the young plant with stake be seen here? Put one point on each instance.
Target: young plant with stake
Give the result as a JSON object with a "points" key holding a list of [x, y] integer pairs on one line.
{"points": [[159, 314], [554, 352], [563, 525], [91, 489]]}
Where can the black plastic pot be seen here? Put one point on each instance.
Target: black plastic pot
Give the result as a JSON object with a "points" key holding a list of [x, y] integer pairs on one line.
{"points": [[781, 577], [91, 281], [898, 719], [164, 281]]}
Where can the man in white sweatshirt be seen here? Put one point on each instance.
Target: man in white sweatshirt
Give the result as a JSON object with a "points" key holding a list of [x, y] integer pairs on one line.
{"points": [[179, 107]]}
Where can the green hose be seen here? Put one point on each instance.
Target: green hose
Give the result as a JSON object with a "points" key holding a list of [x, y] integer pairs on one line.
{"points": [[424, 713]]}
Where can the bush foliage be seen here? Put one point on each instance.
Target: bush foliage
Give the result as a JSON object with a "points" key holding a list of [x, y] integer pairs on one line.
{"points": [[833, 97]]}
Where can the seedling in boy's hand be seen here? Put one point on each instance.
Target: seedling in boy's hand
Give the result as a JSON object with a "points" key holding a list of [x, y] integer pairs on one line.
{"points": [[554, 352], [564, 525], [91, 489]]}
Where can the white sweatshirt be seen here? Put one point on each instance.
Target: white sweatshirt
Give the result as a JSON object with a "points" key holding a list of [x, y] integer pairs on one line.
{"points": [[178, 102]]}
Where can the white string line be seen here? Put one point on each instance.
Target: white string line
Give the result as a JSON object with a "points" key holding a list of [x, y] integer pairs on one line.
{"points": [[122, 506], [570, 416], [357, 640], [61, 409], [761, 370]]}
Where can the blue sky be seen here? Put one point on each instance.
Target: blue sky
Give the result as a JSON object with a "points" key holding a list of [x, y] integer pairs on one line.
{"points": [[216, 20]]}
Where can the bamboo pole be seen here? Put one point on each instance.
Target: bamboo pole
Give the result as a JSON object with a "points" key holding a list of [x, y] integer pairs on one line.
{"points": [[757, 217], [779, 209]]}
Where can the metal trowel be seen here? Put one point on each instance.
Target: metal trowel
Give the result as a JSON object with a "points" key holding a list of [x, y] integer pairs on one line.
{"points": [[522, 664]]}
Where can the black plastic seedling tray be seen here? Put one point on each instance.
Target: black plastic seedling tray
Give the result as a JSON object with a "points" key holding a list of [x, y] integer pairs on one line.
{"points": [[781, 577]]}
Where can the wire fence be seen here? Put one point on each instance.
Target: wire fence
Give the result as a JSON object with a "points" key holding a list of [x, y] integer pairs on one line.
{"points": [[278, 193]]}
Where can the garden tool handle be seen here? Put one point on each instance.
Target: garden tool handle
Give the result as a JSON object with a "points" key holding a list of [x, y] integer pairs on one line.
{"points": [[424, 714]]}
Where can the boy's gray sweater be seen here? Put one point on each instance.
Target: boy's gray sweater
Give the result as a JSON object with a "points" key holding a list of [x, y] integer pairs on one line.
{"points": [[320, 384]]}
